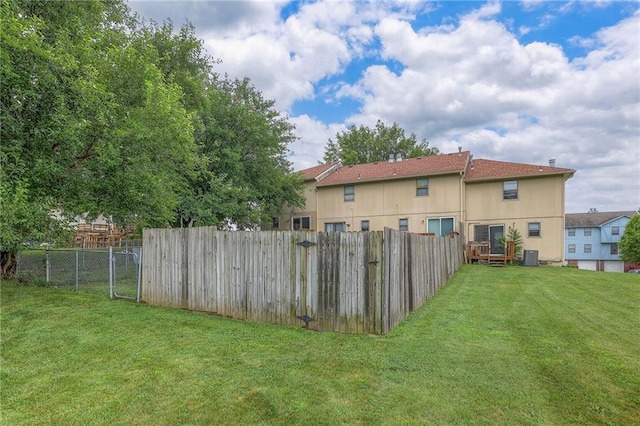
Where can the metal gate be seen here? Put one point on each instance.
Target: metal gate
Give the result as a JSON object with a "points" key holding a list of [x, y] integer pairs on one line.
{"points": [[125, 273]]}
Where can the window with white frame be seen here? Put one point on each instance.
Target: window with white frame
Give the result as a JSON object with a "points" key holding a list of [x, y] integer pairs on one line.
{"points": [[440, 226], [534, 229], [403, 225], [615, 230], [572, 232], [614, 249], [422, 187], [364, 225], [301, 222], [510, 190], [587, 248], [349, 193], [335, 227], [572, 248], [587, 232]]}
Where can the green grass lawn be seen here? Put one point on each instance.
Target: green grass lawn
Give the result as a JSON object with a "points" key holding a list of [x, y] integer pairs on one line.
{"points": [[511, 345]]}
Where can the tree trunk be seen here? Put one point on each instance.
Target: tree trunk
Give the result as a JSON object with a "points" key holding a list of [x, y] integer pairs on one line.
{"points": [[8, 261]]}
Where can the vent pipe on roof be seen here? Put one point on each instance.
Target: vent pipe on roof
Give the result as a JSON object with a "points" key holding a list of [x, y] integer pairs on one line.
{"points": [[459, 149], [552, 162], [391, 158]]}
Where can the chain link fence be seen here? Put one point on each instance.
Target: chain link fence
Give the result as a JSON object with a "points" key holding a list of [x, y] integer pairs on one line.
{"points": [[111, 272]]}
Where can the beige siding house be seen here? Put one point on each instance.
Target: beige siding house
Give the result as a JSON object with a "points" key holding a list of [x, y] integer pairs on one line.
{"points": [[439, 194], [531, 198], [413, 195]]}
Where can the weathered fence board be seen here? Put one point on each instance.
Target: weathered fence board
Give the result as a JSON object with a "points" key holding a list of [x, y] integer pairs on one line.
{"points": [[348, 282]]}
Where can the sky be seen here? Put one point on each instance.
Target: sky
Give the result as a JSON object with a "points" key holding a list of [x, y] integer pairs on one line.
{"points": [[520, 81]]}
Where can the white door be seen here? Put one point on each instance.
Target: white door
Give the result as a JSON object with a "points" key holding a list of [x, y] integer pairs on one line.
{"points": [[589, 265], [613, 266]]}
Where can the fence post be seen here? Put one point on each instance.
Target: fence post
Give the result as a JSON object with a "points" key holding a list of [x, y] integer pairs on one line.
{"points": [[110, 272], [77, 270], [139, 275], [185, 267], [47, 265]]}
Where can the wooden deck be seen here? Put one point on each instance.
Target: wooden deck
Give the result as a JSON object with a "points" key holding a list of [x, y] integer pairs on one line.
{"points": [[97, 235], [480, 252]]}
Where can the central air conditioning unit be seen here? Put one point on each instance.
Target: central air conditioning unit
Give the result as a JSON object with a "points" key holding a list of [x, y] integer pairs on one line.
{"points": [[530, 258]]}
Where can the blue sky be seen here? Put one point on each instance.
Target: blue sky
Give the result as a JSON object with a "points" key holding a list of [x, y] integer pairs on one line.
{"points": [[512, 81]]}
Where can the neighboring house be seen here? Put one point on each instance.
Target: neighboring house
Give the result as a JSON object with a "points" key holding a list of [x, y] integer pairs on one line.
{"points": [[592, 239], [439, 194]]}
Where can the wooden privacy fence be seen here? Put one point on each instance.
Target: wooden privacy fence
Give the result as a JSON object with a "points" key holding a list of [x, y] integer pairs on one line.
{"points": [[349, 282]]}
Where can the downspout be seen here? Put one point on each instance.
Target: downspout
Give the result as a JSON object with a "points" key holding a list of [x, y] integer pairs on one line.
{"points": [[565, 178], [462, 198], [315, 188]]}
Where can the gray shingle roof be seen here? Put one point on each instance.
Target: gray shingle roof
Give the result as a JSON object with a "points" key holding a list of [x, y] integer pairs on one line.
{"points": [[592, 220]]}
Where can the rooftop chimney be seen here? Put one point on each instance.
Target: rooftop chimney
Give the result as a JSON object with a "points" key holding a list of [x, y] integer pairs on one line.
{"points": [[459, 149], [398, 157], [391, 158], [552, 162]]}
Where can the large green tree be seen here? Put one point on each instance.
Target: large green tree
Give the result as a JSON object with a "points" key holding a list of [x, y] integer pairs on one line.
{"points": [[88, 123], [247, 176], [630, 241], [101, 114], [362, 144], [244, 176]]}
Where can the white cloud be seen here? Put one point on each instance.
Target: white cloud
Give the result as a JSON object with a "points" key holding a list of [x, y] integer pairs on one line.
{"points": [[285, 61], [532, 4], [487, 10], [240, 18], [462, 84], [314, 135]]}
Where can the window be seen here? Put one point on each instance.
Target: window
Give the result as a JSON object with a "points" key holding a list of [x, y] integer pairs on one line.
{"points": [[303, 222], [481, 233], [440, 226], [572, 232], [404, 224], [614, 249], [364, 225], [422, 187], [615, 230], [335, 227], [587, 248], [275, 224], [510, 190], [349, 193], [587, 232], [534, 229], [572, 248]]}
